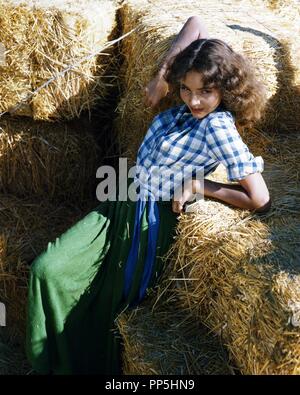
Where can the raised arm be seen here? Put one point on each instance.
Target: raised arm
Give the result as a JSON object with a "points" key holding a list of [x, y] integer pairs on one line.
{"points": [[192, 30]]}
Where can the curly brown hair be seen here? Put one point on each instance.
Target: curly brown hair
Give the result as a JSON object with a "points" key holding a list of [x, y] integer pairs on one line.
{"points": [[221, 67]]}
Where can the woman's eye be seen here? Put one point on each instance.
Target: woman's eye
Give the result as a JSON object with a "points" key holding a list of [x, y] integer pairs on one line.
{"points": [[184, 88], [206, 91]]}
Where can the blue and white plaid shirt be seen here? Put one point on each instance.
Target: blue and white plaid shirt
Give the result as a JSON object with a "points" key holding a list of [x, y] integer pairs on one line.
{"points": [[176, 140]]}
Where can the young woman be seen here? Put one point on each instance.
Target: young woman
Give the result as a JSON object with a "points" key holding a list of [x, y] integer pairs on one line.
{"points": [[108, 260], [240, 93]]}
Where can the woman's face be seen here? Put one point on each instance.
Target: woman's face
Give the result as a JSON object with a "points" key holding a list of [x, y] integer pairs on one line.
{"points": [[201, 100]]}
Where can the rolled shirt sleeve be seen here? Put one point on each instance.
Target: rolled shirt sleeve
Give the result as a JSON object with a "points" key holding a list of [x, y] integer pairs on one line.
{"points": [[225, 145]]}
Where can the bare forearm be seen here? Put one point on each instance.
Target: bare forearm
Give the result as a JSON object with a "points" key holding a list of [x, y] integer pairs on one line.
{"points": [[229, 193], [233, 194], [158, 87], [192, 30]]}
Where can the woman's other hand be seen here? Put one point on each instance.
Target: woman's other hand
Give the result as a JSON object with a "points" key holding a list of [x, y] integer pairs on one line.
{"points": [[183, 195], [157, 89], [192, 30]]}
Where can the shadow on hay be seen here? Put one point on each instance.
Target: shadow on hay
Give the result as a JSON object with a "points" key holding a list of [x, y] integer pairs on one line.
{"points": [[42, 158], [283, 109], [53, 161], [99, 118], [285, 252]]}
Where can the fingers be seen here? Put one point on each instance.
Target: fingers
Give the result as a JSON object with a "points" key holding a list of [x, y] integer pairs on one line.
{"points": [[155, 91], [177, 207], [148, 100]]}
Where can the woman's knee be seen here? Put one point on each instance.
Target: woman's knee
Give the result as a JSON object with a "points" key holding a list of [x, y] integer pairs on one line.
{"points": [[44, 266]]}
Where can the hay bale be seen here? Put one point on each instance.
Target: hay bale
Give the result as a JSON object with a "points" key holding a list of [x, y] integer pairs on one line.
{"points": [[290, 8], [165, 341], [27, 225], [240, 272], [42, 38], [250, 29], [12, 358], [46, 159]]}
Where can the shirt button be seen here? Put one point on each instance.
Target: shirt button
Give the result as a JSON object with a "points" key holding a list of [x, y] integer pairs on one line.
{"points": [[165, 146]]}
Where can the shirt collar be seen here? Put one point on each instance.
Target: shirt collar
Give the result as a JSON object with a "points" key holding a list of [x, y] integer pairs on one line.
{"points": [[185, 111]]}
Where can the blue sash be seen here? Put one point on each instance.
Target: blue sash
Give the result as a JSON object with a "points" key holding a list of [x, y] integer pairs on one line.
{"points": [[153, 228]]}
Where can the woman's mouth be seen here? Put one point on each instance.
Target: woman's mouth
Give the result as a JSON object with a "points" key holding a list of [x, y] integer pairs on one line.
{"points": [[196, 110]]}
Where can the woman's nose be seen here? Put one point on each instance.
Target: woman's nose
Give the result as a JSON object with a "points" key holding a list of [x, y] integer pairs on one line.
{"points": [[194, 100]]}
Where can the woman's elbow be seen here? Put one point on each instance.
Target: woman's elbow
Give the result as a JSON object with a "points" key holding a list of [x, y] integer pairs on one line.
{"points": [[261, 204], [194, 19], [199, 28]]}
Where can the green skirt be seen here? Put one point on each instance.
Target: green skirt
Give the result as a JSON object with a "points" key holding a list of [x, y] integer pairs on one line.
{"points": [[76, 290]]}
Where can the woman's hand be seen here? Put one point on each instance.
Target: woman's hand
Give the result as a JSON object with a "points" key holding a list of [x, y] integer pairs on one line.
{"points": [[157, 89], [183, 195], [192, 30]]}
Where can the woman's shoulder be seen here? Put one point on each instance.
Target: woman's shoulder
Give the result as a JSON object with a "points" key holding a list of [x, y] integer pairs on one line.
{"points": [[220, 115], [220, 123], [171, 113]]}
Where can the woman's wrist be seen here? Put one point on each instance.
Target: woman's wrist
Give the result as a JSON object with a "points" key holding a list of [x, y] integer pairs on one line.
{"points": [[197, 187], [205, 187], [174, 50], [162, 72]]}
